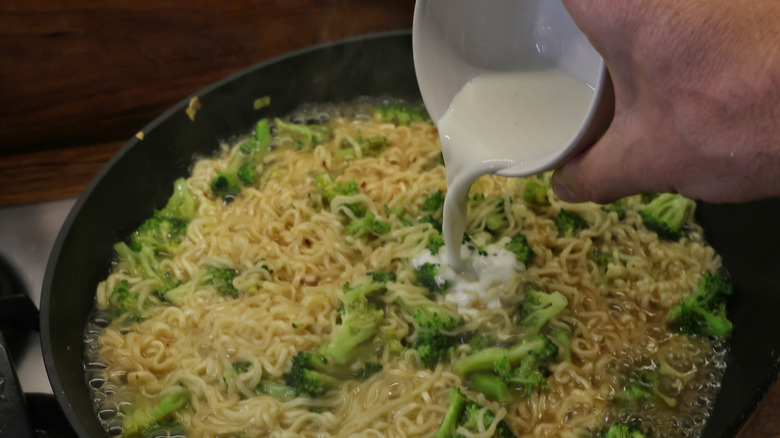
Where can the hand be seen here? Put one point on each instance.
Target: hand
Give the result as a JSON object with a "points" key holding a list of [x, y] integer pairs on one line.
{"points": [[697, 100]]}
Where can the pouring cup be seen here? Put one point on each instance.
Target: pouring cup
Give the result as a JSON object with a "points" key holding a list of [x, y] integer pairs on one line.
{"points": [[457, 41]]}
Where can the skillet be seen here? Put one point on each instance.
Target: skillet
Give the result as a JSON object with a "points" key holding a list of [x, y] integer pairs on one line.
{"points": [[137, 180]]}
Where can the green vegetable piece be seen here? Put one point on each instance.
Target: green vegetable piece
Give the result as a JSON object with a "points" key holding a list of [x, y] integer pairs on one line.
{"points": [[535, 192], [169, 404], [368, 369], [541, 348], [617, 207], [494, 387], [435, 202], [427, 275], [369, 147], [434, 328], [311, 375], [360, 319], [221, 279], [368, 224], [704, 311], [470, 419], [304, 136], [521, 249], [538, 307], [620, 430], [667, 214], [276, 389], [569, 223], [399, 113], [450, 423]]}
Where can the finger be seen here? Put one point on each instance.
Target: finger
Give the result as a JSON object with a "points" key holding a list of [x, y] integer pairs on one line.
{"points": [[606, 172]]}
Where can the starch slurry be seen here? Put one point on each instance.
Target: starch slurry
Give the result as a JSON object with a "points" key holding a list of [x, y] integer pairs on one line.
{"points": [[514, 121]]}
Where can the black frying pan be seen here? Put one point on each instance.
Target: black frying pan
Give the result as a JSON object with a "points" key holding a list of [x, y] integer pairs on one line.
{"points": [[139, 177]]}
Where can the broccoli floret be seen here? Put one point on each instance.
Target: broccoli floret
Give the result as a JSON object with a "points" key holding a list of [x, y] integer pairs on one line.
{"points": [[429, 219], [620, 430], [538, 307], [368, 369], [359, 318], [492, 208], [164, 231], [304, 136], [368, 224], [519, 365], [667, 215], [331, 189], [156, 239], [704, 311], [569, 223], [435, 242], [602, 260], [535, 192], [435, 237], [246, 174], [359, 324], [241, 366], [526, 372], [375, 281], [618, 207], [519, 246], [311, 374], [221, 279], [369, 147], [121, 301], [242, 168], [144, 419], [399, 113], [643, 384], [427, 275], [470, 420], [225, 185], [392, 342], [462, 412], [435, 202], [181, 205], [434, 334]]}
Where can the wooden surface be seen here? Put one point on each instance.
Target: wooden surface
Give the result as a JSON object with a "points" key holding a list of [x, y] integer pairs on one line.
{"points": [[79, 78]]}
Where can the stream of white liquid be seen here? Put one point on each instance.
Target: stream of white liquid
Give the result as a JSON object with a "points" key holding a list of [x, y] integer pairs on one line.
{"points": [[514, 121]]}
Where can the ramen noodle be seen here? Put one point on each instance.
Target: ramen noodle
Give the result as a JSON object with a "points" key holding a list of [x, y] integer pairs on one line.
{"points": [[165, 333]]}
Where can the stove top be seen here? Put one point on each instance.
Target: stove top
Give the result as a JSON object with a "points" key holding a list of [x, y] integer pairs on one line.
{"points": [[27, 235]]}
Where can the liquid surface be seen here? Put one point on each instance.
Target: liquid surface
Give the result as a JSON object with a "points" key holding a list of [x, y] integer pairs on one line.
{"points": [[513, 123]]}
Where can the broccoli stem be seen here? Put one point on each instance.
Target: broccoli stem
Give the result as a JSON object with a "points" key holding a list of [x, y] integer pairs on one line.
{"points": [[485, 359], [450, 423], [491, 385], [169, 404]]}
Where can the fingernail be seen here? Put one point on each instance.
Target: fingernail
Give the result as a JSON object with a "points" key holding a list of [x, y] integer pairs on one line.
{"points": [[565, 193]]}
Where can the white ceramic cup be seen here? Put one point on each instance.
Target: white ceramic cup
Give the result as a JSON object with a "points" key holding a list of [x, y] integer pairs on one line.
{"points": [[456, 40]]}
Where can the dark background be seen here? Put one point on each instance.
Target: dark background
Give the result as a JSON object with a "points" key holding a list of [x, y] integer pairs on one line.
{"points": [[80, 77]]}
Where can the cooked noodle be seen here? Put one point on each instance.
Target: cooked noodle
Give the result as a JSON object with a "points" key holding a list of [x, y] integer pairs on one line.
{"points": [[292, 255]]}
